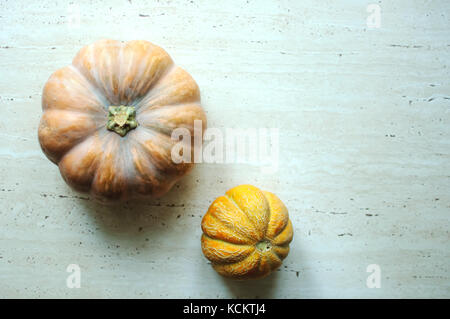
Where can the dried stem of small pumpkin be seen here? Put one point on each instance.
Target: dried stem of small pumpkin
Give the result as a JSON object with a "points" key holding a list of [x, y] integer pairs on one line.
{"points": [[121, 119], [264, 246]]}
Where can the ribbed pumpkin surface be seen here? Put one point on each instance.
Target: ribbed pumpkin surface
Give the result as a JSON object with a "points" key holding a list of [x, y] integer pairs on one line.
{"points": [[246, 233], [75, 133]]}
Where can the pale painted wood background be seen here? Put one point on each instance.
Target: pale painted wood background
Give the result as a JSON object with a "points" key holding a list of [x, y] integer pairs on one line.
{"points": [[364, 119]]}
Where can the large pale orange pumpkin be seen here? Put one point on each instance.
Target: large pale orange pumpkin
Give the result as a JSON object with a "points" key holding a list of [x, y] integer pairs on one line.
{"points": [[108, 117], [246, 233]]}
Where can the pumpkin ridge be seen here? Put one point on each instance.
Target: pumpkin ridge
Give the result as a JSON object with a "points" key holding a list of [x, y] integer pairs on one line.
{"points": [[161, 106], [96, 122], [274, 251], [165, 127], [99, 79], [97, 116], [274, 262], [265, 265], [241, 229], [150, 174], [75, 88], [158, 152], [107, 140], [172, 67], [253, 271], [252, 241], [125, 159], [135, 83], [150, 156], [120, 72], [79, 141], [154, 130], [279, 215], [95, 162], [158, 77], [241, 246], [268, 217], [248, 217], [98, 83], [227, 242], [92, 87], [151, 97], [98, 160], [288, 228]]}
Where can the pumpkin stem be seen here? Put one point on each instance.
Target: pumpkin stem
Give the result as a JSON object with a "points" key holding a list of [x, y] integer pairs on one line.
{"points": [[264, 246], [121, 119]]}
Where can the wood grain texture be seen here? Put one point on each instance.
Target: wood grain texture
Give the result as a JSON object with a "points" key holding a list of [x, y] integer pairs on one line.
{"points": [[364, 165]]}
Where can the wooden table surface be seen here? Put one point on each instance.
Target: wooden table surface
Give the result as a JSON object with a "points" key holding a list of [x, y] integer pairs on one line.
{"points": [[363, 113]]}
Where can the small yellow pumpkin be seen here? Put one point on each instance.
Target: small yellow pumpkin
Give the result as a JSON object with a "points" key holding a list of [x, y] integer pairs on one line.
{"points": [[246, 233]]}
